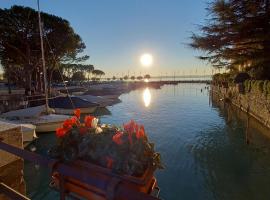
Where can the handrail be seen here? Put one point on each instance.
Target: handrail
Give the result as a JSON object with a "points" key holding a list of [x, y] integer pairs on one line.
{"points": [[68, 170], [13, 194]]}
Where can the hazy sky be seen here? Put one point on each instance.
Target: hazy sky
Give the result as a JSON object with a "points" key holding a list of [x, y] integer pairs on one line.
{"points": [[117, 32]]}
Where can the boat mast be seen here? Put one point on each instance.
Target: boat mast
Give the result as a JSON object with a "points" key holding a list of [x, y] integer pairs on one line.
{"points": [[43, 60]]}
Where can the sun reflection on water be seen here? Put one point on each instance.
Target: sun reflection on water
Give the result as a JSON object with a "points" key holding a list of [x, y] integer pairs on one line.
{"points": [[146, 97]]}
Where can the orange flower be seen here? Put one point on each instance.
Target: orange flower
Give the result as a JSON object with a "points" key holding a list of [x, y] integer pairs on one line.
{"points": [[88, 121], [77, 113], [117, 138], [109, 162], [140, 133], [60, 132], [83, 130]]}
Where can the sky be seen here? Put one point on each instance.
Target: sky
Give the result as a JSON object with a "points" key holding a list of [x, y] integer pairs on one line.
{"points": [[118, 32]]}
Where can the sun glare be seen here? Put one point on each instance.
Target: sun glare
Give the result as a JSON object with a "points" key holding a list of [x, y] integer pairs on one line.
{"points": [[146, 59]]}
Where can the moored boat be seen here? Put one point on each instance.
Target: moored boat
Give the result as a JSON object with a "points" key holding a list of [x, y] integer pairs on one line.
{"points": [[109, 94], [37, 116], [48, 123], [66, 105], [102, 101]]}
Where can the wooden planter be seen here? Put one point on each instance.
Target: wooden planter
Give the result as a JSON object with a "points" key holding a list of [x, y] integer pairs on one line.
{"points": [[145, 184]]}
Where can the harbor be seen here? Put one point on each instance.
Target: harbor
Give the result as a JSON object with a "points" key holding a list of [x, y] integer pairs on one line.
{"points": [[207, 152], [129, 100]]}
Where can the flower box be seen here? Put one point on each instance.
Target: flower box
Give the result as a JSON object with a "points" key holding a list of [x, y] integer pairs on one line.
{"points": [[115, 156], [145, 184]]}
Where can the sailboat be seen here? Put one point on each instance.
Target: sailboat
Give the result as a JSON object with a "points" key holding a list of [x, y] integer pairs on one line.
{"points": [[40, 116]]}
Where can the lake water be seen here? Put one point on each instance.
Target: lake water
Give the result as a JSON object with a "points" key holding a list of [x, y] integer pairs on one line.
{"points": [[207, 152]]}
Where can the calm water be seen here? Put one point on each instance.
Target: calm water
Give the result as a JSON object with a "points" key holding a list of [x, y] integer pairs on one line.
{"points": [[205, 147]]}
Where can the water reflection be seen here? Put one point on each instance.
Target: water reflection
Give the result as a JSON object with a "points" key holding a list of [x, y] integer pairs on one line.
{"points": [[233, 157], [146, 97], [203, 148]]}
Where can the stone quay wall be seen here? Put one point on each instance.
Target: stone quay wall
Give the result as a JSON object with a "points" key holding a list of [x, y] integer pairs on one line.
{"points": [[255, 103]]}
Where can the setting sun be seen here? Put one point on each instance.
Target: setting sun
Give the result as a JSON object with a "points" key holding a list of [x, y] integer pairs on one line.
{"points": [[146, 59]]}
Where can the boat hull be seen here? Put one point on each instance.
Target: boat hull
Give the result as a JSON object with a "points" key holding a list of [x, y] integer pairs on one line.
{"points": [[64, 111], [48, 123], [48, 127]]}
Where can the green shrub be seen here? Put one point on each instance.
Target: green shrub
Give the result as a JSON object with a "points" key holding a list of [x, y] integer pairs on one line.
{"points": [[247, 85], [252, 85], [268, 87], [259, 86], [265, 83]]}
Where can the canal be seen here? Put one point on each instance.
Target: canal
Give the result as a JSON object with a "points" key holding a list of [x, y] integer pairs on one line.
{"points": [[206, 147]]}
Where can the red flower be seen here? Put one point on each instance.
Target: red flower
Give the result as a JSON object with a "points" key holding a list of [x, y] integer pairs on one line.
{"points": [[83, 130], [67, 124], [140, 133], [88, 121], [74, 121], [130, 127], [117, 138], [109, 162], [77, 113], [60, 132]]}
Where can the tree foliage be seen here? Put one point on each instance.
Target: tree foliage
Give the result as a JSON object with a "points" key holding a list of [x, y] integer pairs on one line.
{"points": [[70, 69], [20, 51], [147, 76], [78, 76], [236, 35], [98, 72]]}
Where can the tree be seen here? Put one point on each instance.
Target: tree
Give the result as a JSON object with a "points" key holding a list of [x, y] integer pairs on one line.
{"points": [[78, 76], [132, 77], [125, 77], [20, 44], [147, 76], [89, 69], [237, 36], [98, 72], [139, 78]]}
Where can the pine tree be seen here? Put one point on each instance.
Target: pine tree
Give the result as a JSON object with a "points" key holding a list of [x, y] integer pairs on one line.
{"points": [[237, 36]]}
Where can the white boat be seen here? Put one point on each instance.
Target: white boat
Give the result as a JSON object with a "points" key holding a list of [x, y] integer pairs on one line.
{"points": [[105, 92], [36, 116], [48, 123], [102, 101], [28, 130], [66, 105]]}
